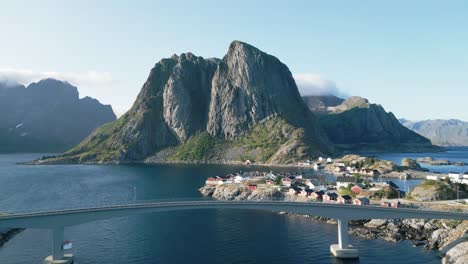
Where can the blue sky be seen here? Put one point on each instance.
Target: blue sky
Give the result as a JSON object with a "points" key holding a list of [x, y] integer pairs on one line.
{"points": [[409, 56]]}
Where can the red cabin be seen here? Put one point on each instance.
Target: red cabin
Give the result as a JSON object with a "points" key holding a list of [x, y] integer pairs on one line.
{"points": [[252, 187]]}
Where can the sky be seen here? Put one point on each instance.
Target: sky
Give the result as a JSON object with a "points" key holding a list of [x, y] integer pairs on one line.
{"points": [[409, 56]]}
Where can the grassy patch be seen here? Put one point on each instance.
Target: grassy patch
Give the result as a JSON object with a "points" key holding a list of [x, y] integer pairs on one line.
{"points": [[198, 147]]}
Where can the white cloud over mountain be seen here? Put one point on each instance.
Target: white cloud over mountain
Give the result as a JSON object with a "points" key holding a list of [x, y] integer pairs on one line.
{"points": [[87, 80], [314, 84]]}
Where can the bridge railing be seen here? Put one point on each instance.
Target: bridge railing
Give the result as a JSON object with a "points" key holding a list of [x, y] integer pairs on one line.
{"points": [[126, 203]]}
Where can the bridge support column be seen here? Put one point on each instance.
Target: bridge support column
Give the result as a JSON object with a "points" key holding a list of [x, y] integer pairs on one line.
{"points": [[343, 249], [57, 256]]}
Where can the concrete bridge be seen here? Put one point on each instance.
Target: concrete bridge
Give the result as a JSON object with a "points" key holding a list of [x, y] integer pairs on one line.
{"points": [[59, 219]]}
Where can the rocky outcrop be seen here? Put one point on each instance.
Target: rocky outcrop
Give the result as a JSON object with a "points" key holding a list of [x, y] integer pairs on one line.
{"points": [[412, 164], [47, 116], [321, 104], [240, 192], [440, 162], [457, 255], [193, 109], [430, 190], [357, 125], [441, 132]]}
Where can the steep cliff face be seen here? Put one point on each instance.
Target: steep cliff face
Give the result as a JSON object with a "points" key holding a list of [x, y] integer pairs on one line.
{"points": [[47, 116], [250, 85], [211, 105], [171, 107], [187, 95], [357, 125]]}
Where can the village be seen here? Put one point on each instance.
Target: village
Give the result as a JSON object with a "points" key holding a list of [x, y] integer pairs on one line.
{"points": [[346, 189]]}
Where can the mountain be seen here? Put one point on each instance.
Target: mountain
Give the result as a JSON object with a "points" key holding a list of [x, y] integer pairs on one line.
{"points": [[319, 104], [47, 116], [441, 132], [357, 125], [245, 106]]}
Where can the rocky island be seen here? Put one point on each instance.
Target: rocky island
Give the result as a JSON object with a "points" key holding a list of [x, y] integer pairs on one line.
{"points": [[440, 162]]}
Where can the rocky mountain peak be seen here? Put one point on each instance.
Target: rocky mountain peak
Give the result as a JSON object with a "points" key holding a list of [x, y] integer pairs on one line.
{"points": [[350, 103], [52, 88], [248, 86], [191, 100]]}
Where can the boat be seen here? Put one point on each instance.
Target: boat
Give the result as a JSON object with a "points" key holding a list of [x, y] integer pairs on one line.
{"points": [[67, 244]]}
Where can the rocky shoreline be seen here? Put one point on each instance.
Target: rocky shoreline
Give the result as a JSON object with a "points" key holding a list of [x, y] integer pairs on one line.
{"points": [[448, 236], [440, 162]]}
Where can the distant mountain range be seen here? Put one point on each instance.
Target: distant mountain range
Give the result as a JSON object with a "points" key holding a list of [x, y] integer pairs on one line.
{"points": [[441, 132], [47, 116], [355, 124], [243, 107]]}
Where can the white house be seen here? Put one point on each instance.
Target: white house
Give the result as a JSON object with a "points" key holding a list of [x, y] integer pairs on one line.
{"points": [[306, 163], [455, 177], [299, 176], [344, 182], [238, 179], [320, 159], [329, 160], [433, 177], [311, 183]]}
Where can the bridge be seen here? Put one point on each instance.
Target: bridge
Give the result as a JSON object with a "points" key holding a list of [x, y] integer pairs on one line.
{"points": [[57, 220]]}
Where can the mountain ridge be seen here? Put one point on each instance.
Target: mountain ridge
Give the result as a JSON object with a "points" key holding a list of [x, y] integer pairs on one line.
{"points": [[444, 132], [47, 115], [357, 125]]}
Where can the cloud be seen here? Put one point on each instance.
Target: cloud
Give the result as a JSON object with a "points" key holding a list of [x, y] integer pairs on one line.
{"points": [[85, 80], [314, 84]]}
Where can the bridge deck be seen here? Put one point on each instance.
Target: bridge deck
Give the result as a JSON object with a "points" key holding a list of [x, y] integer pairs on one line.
{"points": [[69, 217]]}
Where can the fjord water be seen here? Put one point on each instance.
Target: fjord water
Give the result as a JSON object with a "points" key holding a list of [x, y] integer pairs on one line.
{"points": [[454, 154], [208, 236]]}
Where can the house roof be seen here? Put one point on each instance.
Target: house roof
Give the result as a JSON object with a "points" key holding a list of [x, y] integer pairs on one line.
{"points": [[296, 189], [363, 199], [332, 194], [346, 197]]}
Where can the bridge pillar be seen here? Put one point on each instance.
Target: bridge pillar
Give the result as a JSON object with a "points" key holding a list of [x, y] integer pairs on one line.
{"points": [[343, 249], [57, 256]]}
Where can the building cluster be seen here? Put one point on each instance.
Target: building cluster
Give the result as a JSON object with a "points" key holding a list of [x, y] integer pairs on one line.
{"points": [[340, 168], [453, 177], [296, 185], [320, 163]]}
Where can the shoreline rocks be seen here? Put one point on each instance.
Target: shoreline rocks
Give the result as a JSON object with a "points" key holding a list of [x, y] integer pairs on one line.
{"points": [[448, 236], [439, 162]]}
